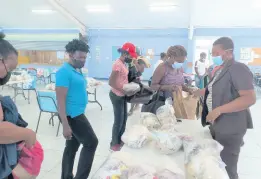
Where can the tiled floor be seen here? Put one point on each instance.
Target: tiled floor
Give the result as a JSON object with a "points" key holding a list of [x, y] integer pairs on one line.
{"points": [[249, 164]]}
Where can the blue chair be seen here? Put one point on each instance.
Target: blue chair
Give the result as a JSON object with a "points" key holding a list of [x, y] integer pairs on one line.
{"points": [[47, 103], [52, 78]]}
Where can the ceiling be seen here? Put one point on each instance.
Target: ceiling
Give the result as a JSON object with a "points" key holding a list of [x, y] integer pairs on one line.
{"points": [[133, 14]]}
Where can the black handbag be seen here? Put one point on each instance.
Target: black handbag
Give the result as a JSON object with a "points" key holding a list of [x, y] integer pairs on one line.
{"points": [[156, 102]]}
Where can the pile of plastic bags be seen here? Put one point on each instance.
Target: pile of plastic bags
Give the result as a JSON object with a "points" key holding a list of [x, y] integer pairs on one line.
{"points": [[136, 136], [202, 159], [159, 128], [167, 143], [122, 165], [150, 121]]}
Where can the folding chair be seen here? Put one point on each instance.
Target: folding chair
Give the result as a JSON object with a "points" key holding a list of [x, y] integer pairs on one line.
{"points": [[47, 104]]}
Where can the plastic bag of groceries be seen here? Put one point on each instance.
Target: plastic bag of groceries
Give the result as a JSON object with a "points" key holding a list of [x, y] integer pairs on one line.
{"points": [[167, 143], [205, 166], [131, 88], [191, 147], [169, 170], [141, 172], [211, 147], [136, 136], [166, 113], [167, 174], [149, 120], [112, 168], [170, 128], [213, 168]]}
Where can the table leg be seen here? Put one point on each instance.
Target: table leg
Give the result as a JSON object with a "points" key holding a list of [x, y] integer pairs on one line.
{"points": [[95, 98]]}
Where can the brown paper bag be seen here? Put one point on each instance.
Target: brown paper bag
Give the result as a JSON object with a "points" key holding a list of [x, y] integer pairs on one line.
{"points": [[185, 105]]}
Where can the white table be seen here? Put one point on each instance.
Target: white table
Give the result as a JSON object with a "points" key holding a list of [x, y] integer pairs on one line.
{"points": [[14, 85], [150, 155]]}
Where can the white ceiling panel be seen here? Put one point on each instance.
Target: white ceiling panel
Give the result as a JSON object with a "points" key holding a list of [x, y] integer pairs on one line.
{"points": [[227, 13], [130, 14], [133, 14], [18, 14]]}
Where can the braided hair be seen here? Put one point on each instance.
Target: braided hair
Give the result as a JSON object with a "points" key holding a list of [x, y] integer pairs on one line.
{"points": [[176, 51], [5, 47]]}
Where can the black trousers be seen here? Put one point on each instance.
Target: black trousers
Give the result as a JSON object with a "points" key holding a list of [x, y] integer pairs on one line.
{"points": [[119, 104], [82, 134], [230, 154]]}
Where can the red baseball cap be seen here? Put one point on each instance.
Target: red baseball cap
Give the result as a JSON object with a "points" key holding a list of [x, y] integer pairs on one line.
{"points": [[131, 49]]}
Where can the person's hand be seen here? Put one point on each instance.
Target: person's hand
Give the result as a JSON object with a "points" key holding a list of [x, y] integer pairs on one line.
{"points": [[213, 115], [30, 139], [196, 93], [67, 131], [172, 88], [190, 91]]}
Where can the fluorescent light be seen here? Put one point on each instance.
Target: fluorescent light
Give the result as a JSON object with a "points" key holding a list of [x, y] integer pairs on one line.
{"points": [[162, 4], [256, 4], [162, 7], [43, 11], [105, 8]]}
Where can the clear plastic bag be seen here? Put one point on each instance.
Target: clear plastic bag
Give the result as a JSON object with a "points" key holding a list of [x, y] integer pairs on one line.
{"points": [[204, 166], [141, 172], [131, 88], [136, 136], [169, 170], [167, 143], [213, 168], [149, 120], [191, 147], [166, 113], [211, 147], [112, 167], [167, 174]]}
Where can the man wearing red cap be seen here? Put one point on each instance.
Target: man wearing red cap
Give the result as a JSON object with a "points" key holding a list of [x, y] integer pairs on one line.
{"points": [[118, 78]]}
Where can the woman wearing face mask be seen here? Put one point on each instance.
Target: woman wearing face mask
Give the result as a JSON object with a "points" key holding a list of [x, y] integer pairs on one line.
{"points": [[118, 78], [226, 103], [10, 133], [72, 100], [169, 75]]}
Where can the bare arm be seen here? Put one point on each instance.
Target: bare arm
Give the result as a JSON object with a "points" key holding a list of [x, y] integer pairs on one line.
{"points": [[113, 83], [61, 93], [157, 77], [10, 133], [196, 69], [247, 98]]}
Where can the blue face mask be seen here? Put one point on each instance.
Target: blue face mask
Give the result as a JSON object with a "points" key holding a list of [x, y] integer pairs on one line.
{"points": [[177, 65], [217, 60]]}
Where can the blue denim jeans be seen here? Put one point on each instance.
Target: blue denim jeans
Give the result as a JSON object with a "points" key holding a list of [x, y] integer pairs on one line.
{"points": [[119, 104]]}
